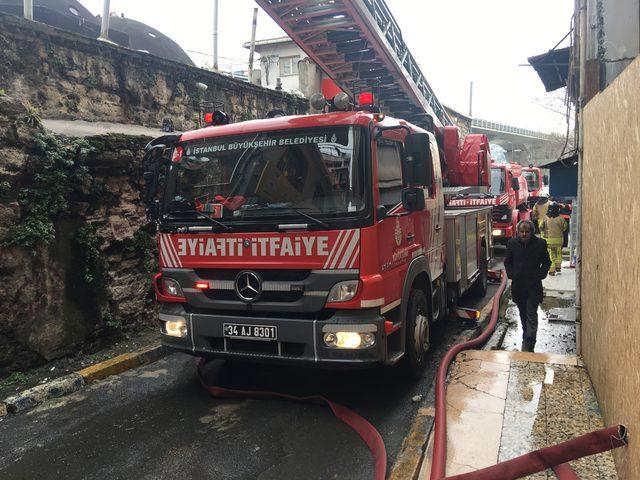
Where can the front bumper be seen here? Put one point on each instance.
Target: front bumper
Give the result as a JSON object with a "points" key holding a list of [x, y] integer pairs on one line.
{"points": [[300, 340]]}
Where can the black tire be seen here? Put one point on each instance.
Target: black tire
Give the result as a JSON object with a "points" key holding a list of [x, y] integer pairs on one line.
{"points": [[439, 300], [479, 287], [417, 334]]}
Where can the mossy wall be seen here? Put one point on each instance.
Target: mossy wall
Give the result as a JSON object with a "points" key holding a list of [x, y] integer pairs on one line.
{"points": [[76, 251]]}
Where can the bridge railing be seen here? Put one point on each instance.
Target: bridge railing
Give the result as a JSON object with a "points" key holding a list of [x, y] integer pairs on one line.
{"points": [[501, 127]]}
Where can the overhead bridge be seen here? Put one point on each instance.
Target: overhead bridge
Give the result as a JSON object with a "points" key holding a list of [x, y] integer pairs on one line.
{"points": [[499, 129], [359, 45]]}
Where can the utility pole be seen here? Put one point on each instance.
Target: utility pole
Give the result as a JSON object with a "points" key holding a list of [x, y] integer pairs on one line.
{"points": [[253, 43], [215, 35], [471, 98], [104, 30], [28, 9]]}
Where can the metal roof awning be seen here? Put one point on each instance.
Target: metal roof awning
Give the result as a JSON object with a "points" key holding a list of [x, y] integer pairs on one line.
{"points": [[568, 160], [552, 68]]}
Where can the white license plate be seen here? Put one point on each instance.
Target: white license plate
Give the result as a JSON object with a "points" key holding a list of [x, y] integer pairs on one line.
{"points": [[250, 332]]}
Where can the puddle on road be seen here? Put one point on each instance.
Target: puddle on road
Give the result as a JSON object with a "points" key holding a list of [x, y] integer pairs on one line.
{"points": [[223, 417], [154, 373], [556, 327], [52, 404]]}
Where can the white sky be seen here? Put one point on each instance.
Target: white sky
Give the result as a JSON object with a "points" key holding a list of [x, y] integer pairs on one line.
{"points": [[454, 41]]}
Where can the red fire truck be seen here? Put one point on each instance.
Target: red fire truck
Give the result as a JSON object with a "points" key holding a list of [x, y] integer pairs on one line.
{"points": [[319, 239], [536, 183], [508, 196]]}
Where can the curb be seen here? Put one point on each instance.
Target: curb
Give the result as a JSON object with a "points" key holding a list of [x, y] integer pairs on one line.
{"points": [[122, 363], [414, 447], [73, 382], [34, 396], [497, 339], [408, 461]]}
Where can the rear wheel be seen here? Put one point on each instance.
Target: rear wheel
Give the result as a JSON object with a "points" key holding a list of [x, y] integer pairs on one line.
{"points": [[479, 287], [417, 333]]}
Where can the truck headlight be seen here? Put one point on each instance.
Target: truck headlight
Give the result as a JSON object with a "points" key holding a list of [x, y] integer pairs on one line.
{"points": [[174, 326], [349, 340], [496, 233], [343, 291], [171, 287]]}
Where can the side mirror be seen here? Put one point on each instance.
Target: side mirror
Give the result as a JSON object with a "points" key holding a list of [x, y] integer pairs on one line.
{"points": [[148, 178], [153, 211], [545, 180], [417, 163], [381, 212], [515, 183], [151, 176], [413, 199]]}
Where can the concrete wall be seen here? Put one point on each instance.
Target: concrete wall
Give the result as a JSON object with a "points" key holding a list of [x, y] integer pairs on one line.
{"points": [[67, 76], [613, 37], [611, 257]]}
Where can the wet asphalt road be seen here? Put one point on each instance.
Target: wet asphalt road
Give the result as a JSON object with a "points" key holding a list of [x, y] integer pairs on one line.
{"points": [[157, 422]]}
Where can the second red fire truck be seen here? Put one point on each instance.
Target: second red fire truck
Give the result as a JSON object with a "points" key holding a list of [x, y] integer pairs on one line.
{"points": [[318, 239], [507, 196]]}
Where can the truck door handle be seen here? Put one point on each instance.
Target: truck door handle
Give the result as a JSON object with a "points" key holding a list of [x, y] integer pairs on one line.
{"points": [[410, 237], [437, 228]]}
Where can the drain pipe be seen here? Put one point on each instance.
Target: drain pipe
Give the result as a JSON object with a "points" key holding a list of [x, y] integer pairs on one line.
{"points": [[582, 47]]}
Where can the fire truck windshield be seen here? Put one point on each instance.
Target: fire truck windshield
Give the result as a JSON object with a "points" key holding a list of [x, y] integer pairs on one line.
{"points": [[270, 174], [497, 182], [532, 179]]}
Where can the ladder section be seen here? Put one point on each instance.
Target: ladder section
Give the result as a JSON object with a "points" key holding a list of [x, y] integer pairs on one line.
{"points": [[359, 45]]}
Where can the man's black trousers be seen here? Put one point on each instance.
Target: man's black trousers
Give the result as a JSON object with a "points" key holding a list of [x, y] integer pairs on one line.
{"points": [[529, 320]]}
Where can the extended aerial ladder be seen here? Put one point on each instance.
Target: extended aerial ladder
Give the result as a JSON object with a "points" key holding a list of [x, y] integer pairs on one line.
{"points": [[359, 45]]}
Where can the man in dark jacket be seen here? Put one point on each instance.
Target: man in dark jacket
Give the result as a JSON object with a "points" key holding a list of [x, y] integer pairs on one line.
{"points": [[527, 263]]}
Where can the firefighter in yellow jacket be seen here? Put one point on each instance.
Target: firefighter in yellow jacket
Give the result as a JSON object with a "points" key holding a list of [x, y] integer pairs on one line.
{"points": [[539, 211], [553, 227]]}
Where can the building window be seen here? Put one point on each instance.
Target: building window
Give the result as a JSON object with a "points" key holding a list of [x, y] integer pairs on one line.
{"points": [[74, 11], [289, 66]]}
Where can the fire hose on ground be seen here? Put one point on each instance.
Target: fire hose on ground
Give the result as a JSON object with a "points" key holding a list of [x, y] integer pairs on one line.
{"points": [[362, 427], [556, 457]]}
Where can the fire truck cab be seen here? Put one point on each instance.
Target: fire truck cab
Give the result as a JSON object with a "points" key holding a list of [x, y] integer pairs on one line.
{"points": [[536, 183], [318, 240], [510, 192]]}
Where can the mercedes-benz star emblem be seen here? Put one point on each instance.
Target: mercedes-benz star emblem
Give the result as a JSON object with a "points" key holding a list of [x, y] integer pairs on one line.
{"points": [[248, 286]]}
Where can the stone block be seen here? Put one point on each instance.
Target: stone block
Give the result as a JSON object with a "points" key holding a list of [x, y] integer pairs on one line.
{"points": [[34, 396]]}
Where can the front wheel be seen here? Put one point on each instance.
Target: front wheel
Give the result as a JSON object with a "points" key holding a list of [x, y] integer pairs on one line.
{"points": [[417, 333]]}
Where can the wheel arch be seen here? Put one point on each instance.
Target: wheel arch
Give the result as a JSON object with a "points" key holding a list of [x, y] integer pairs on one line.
{"points": [[417, 273]]}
